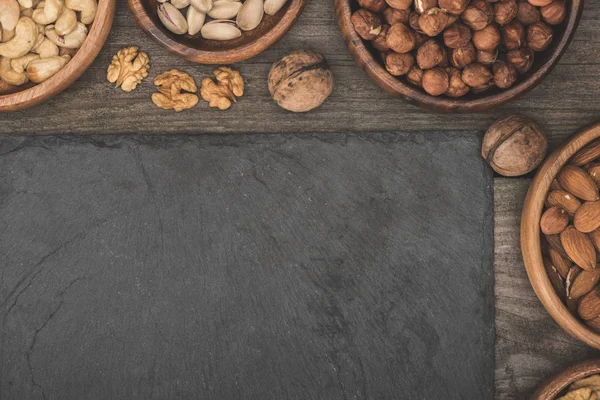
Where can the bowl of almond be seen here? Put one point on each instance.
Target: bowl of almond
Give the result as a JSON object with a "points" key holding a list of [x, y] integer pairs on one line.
{"points": [[560, 235]]}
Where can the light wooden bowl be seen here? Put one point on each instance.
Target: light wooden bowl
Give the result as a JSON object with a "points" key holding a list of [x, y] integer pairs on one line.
{"points": [[530, 236], [367, 59], [559, 382], [17, 98], [196, 49]]}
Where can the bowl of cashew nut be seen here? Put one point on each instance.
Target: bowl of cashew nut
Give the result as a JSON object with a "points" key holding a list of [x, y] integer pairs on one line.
{"points": [[45, 45]]}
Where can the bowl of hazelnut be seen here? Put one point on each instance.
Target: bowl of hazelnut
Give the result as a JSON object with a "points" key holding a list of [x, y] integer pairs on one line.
{"points": [[458, 55], [560, 235]]}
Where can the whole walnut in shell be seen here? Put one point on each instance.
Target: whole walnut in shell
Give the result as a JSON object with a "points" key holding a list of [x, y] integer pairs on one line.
{"points": [[514, 146], [300, 81]]}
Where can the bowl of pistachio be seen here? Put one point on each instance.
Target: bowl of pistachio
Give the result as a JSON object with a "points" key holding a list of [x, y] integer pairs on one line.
{"points": [[216, 31]]}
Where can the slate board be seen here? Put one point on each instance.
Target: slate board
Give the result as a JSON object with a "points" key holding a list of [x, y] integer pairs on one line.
{"points": [[246, 267]]}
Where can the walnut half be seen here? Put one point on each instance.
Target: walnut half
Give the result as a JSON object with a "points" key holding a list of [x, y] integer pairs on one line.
{"points": [[128, 68], [229, 86], [172, 87]]}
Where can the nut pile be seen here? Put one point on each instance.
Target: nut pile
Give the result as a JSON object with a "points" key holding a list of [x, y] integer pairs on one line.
{"points": [[454, 47], [583, 389], [215, 20], [571, 226], [38, 38]]}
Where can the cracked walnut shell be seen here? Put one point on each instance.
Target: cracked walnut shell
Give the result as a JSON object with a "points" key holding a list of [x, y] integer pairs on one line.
{"points": [[172, 87], [228, 87], [128, 68]]}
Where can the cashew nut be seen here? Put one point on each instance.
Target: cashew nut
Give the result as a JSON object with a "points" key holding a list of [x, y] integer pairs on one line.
{"points": [[40, 70], [66, 23], [7, 35], [23, 42], [9, 14], [48, 13], [9, 75], [86, 7], [20, 64], [73, 40], [25, 3], [46, 49]]}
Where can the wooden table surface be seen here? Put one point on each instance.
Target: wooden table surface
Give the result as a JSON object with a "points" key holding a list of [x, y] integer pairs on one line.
{"points": [[529, 346]]}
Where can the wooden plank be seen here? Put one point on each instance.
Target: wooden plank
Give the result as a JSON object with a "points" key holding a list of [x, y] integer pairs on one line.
{"points": [[565, 101], [530, 346]]}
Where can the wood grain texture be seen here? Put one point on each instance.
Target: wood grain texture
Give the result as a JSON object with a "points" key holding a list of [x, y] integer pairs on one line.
{"points": [[565, 101], [530, 235], [84, 57], [544, 64], [530, 345], [251, 43]]}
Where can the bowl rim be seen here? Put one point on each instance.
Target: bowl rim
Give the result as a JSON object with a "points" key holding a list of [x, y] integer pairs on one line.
{"points": [[558, 382], [73, 70], [224, 56], [395, 86], [530, 235]]}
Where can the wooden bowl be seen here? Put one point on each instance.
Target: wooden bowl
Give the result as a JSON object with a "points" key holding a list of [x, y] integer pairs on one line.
{"points": [[559, 382], [196, 49], [17, 98], [367, 59], [530, 236]]}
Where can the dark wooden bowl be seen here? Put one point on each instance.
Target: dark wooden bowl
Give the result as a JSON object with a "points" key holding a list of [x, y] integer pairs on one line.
{"points": [[545, 61], [196, 49], [530, 236], [559, 382], [18, 98]]}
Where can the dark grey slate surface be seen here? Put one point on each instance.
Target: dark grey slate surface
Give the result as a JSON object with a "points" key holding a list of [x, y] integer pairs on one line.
{"points": [[246, 267]]}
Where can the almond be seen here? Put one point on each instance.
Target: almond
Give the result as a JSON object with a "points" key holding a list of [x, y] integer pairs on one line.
{"points": [[584, 282], [587, 155], [563, 199], [593, 170], [594, 324], [589, 306], [554, 220], [587, 217], [579, 248], [557, 281], [571, 275], [555, 243], [595, 238], [577, 182], [561, 263]]}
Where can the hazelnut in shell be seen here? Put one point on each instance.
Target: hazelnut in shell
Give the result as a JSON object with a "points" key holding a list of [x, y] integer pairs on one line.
{"points": [[373, 5], [514, 146], [400, 4], [527, 13], [415, 76], [477, 75], [400, 38], [487, 39], [463, 56], [457, 35], [513, 35], [478, 15], [456, 86], [435, 81], [455, 7], [555, 12], [300, 81], [430, 54], [539, 3], [421, 6], [505, 74], [487, 57], [413, 22], [505, 11], [367, 24], [433, 21], [521, 59], [539, 36], [380, 42], [398, 64], [393, 16]]}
